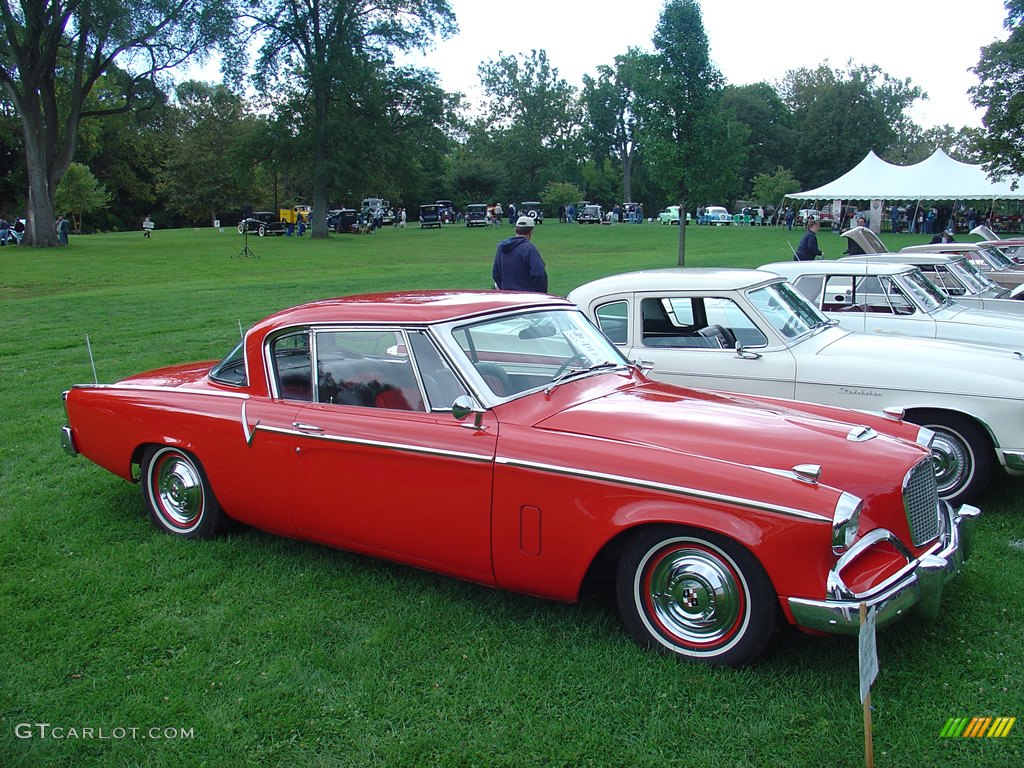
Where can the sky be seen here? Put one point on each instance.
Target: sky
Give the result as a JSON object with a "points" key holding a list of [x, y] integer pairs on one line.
{"points": [[934, 44]]}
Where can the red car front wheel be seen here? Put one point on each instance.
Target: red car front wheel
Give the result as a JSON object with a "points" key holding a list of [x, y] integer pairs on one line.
{"points": [[696, 595]]}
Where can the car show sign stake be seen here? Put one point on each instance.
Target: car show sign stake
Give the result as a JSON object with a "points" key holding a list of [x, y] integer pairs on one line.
{"points": [[868, 662]]}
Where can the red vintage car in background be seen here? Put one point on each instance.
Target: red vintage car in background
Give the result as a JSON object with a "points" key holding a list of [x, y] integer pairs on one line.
{"points": [[501, 438]]}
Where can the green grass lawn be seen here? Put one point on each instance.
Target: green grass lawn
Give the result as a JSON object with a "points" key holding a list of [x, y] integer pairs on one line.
{"points": [[256, 650]]}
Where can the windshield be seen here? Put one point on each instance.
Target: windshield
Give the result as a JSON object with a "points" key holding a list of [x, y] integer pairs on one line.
{"points": [[997, 258], [971, 276], [530, 350], [928, 295], [786, 309]]}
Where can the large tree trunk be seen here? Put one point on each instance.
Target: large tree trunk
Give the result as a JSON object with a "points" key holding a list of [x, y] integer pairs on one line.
{"points": [[40, 223]]}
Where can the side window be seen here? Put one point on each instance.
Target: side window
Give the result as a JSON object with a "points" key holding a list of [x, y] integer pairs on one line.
{"points": [[292, 366], [613, 319], [439, 380], [366, 368], [810, 286], [838, 295], [943, 278], [729, 324]]}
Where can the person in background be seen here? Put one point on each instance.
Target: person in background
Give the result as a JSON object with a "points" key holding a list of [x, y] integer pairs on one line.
{"points": [[808, 249], [518, 265], [5, 229]]}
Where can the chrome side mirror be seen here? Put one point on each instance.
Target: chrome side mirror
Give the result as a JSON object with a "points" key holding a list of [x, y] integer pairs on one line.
{"points": [[463, 406]]}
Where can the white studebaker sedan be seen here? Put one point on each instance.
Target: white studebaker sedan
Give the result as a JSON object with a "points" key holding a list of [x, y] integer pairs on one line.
{"points": [[751, 331], [993, 262], [878, 297]]}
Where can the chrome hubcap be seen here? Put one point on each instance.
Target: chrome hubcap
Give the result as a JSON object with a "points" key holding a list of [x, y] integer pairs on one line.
{"points": [[951, 461], [695, 596], [179, 491]]}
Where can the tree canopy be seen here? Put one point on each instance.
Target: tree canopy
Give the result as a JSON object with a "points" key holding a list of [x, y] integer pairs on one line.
{"points": [[1000, 93]]}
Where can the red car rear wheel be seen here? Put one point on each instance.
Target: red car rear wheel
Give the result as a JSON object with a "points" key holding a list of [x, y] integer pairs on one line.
{"points": [[178, 494]]}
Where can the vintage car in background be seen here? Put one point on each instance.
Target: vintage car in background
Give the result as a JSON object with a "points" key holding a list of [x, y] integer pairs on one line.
{"points": [[717, 215], [430, 216], [446, 210], [956, 277], [999, 267], [343, 220], [751, 331], [670, 215], [804, 214], [476, 215], [589, 214], [1011, 247], [533, 209], [262, 223], [501, 438], [879, 297]]}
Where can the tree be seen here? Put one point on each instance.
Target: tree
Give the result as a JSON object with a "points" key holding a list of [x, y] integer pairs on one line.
{"points": [[772, 188], [207, 170], [692, 149], [336, 53], [78, 193], [843, 114], [54, 52], [534, 121], [772, 138], [560, 194], [1000, 93], [611, 121]]}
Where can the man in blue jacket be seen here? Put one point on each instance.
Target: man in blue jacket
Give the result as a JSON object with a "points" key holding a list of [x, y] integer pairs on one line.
{"points": [[517, 262]]}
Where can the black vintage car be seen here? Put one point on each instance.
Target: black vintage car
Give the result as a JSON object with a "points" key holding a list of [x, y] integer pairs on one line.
{"points": [[533, 209], [343, 220], [430, 216], [589, 214], [476, 215], [263, 223]]}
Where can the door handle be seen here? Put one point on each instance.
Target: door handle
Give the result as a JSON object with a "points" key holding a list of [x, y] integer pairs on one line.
{"points": [[306, 427]]}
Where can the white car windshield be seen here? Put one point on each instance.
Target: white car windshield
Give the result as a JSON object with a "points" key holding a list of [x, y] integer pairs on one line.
{"points": [[787, 310], [997, 258], [529, 350], [927, 295], [971, 276]]}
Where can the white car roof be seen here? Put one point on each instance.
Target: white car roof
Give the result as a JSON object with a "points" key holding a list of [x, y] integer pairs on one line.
{"points": [[835, 266], [904, 258], [672, 279], [942, 247]]}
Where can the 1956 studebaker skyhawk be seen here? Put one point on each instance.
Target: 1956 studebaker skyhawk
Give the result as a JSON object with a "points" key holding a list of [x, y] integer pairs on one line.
{"points": [[501, 438]]}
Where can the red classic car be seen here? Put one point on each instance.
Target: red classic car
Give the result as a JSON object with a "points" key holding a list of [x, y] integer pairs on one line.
{"points": [[501, 438]]}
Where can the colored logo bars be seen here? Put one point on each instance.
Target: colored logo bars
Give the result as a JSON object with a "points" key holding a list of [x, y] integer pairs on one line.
{"points": [[974, 727]]}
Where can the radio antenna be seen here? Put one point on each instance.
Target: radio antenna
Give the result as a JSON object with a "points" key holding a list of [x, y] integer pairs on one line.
{"points": [[92, 361], [241, 333]]}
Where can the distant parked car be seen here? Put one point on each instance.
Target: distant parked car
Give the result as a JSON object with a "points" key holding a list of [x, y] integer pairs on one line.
{"points": [[717, 215], [590, 214], [877, 297], [430, 216], [343, 220], [476, 215], [533, 209], [263, 223], [993, 262], [446, 210], [670, 215]]}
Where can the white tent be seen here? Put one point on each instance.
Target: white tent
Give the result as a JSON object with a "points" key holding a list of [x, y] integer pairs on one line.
{"points": [[940, 177]]}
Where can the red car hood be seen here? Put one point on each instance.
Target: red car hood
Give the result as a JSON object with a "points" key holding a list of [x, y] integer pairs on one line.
{"points": [[737, 429]]}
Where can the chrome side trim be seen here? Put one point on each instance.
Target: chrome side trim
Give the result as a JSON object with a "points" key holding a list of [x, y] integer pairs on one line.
{"points": [[154, 388], [1013, 460], [403, 447], [677, 490]]}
